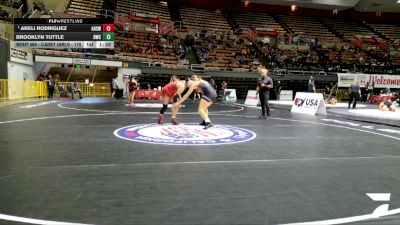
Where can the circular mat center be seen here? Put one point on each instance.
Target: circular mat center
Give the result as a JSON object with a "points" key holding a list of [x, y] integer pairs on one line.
{"points": [[184, 134]]}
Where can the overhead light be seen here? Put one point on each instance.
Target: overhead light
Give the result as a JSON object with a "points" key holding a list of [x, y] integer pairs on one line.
{"points": [[247, 2], [293, 8]]}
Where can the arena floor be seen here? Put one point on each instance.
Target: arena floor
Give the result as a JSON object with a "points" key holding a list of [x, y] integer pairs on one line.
{"points": [[97, 161]]}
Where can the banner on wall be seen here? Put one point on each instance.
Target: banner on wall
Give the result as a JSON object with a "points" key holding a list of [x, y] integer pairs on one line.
{"points": [[16, 53], [20, 56], [309, 103], [81, 61], [381, 81]]}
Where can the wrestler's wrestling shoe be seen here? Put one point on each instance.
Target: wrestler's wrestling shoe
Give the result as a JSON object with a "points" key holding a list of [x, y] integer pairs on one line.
{"points": [[208, 125], [174, 122], [262, 117], [160, 119]]}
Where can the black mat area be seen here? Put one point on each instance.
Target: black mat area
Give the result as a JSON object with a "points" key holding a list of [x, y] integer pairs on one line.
{"points": [[62, 162]]}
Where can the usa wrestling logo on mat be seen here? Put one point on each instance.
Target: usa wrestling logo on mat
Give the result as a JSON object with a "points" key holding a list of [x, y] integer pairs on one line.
{"points": [[185, 134]]}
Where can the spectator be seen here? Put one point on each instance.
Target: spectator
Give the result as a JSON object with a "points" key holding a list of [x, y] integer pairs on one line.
{"points": [[327, 91], [41, 77], [76, 88], [213, 84], [278, 89], [224, 86], [62, 92], [112, 87], [364, 93], [50, 86], [115, 88], [311, 85]]}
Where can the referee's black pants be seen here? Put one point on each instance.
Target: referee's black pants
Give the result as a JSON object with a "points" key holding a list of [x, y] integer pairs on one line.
{"points": [[264, 98], [353, 97]]}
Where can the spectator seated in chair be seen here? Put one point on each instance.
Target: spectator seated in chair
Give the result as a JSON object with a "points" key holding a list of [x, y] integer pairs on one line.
{"points": [[74, 88], [61, 90]]}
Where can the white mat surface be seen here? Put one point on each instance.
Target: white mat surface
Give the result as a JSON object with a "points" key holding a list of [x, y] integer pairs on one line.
{"points": [[376, 113]]}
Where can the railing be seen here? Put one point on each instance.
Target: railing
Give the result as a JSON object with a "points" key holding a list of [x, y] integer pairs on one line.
{"points": [[88, 90], [279, 72], [251, 35], [166, 29], [30, 89], [306, 72], [21, 89], [124, 58], [20, 10], [94, 74], [107, 13]]}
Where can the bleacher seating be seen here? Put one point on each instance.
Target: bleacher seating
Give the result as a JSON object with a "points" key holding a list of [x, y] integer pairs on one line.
{"points": [[347, 28], [308, 27], [391, 31], [3, 14], [217, 48], [144, 6], [82, 8], [124, 7], [255, 19], [204, 19], [146, 47], [12, 4], [225, 52], [103, 74]]}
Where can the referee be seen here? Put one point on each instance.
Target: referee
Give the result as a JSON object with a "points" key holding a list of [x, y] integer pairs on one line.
{"points": [[354, 93], [264, 84]]}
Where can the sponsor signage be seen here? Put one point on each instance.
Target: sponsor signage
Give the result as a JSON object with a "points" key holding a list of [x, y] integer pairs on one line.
{"points": [[81, 61], [286, 95], [186, 134], [15, 53], [309, 103], [381, 81], [230, 95], [252, 98]]}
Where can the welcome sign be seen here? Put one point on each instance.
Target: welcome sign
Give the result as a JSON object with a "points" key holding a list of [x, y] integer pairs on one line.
{"points": [[380, 81]]}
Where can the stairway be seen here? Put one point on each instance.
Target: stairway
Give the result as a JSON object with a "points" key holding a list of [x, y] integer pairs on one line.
{"points": [[375, 31], [231, 21], [283, 24], [192, 57], [174, 12], [337, 34]]}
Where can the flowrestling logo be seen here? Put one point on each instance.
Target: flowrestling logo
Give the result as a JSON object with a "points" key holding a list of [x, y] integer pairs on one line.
{"points": [[185, 134]]}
